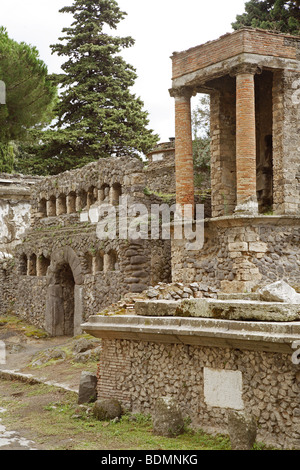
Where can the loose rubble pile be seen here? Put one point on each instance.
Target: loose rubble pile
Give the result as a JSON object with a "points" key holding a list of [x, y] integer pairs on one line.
{"points": [[178, 290], [161, 291]]}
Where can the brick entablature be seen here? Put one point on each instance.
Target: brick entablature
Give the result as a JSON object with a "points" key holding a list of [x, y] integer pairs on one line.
{"points": [[253, 41]]}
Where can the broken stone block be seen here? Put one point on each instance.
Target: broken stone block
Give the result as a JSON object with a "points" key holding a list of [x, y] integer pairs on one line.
{"points": [[242, 430], [90, 355], [85, 344], [167, 418], [87, 388], [279, 291], [108, 409]]}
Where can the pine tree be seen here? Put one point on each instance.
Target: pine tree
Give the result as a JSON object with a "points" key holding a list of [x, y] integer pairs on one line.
{"points": [[97, 116], [29, 95], [276, 15]]}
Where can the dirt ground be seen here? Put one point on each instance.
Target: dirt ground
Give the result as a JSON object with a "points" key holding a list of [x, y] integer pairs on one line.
{"points": [[20, 350]]}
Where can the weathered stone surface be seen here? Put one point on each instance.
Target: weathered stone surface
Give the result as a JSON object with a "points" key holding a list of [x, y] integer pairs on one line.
{"points": [[87, 388], [55, 354], [89, 355], [156, 308], [107, 409], [279, 291], [84, 344], [167, 418], [220, 309], [242, 430]]}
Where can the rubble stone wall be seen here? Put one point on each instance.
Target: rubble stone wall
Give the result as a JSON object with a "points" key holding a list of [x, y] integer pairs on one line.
{"points": [[15, 207], [104, 269], [138, 373], [286, 139], [239, 254]]}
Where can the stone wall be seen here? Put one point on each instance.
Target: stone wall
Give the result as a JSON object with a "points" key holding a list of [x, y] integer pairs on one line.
{"points": [[160, 171], [223, 147], [137, 265], [63, 239], [286, 142], [8, 285], [241, 253], [15, 205], [138, 373]]}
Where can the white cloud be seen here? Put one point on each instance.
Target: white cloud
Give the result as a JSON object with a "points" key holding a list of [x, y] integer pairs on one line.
{"points": [[159, 28]]}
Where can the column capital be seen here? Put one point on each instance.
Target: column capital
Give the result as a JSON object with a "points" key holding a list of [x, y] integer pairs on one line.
{"points": [[245, 69], [182, 92]]}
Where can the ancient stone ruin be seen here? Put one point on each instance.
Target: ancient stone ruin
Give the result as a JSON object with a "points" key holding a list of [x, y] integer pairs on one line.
{"points": [[216, 329]]}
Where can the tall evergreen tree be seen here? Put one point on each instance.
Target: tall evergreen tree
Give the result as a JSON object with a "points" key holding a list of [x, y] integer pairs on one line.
{"points": [[278, 15], [97, 116], [29, 95]]}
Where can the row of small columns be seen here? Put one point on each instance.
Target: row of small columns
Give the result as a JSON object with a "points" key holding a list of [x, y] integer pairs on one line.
{"points": [[75, 202], [245, 142], [34, 265]]}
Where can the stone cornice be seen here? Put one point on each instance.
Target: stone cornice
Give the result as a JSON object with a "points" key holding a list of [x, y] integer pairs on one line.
{"points": [[250, 335]]}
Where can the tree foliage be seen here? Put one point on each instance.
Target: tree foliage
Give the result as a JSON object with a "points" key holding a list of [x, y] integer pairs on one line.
{"points": [[276, 15], [201, 138], [97, 115], [29, 95]]}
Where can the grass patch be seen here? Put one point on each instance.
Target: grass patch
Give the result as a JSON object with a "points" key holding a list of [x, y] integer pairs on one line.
{"points": [[53, 419], [19, 325]]}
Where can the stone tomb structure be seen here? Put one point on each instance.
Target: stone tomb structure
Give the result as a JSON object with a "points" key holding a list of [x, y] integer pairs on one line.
{"points": [[60, 272], [237, 351], [253, 79]]}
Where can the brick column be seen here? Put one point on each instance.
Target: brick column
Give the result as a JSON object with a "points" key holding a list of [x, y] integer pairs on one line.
{"points": [[184, 164], [246, 140]]}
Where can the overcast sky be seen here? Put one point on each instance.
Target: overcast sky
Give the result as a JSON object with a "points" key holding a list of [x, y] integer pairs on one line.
{"points": [[159, 28]]}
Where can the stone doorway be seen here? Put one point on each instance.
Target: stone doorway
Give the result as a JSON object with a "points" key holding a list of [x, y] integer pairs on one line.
{"points": [[64, 302], [64, 298]]}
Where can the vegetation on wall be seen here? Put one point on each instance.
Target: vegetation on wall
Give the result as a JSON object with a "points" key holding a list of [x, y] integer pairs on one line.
{"points": [[201, 139], [276, 15]]}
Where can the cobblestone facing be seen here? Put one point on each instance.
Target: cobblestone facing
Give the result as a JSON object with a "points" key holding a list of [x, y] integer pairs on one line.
{"points": [[238, 257], [152, 370]]}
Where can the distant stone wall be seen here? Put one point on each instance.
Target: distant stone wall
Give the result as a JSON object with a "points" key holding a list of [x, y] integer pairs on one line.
{"points": [[15, 208], [138, 373], [160, 171], [62, 257], [110, 269], [8, 286]]}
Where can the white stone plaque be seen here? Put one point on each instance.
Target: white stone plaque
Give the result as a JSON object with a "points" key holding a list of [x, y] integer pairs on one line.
{"points": [[223, 388]]}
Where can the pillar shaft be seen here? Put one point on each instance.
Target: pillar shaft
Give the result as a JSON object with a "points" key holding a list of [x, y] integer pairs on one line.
{"points": [[184, 150], [245, 143]]}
